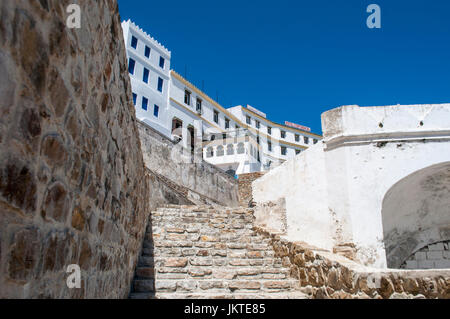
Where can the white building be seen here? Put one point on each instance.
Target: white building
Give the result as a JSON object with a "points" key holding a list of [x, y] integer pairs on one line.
{"points": [[238, 139]]}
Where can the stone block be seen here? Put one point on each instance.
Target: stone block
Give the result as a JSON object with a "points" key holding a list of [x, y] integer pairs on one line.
{"points": [[411, 264], [442, 264], [165, 285], [436, 247], [434, 255], [425, 264], [249, 285], [420, 255], [176, 262], [201, 261]]}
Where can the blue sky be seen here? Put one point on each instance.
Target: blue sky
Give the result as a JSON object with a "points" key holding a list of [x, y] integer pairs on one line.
{"points": [[296, 59]]}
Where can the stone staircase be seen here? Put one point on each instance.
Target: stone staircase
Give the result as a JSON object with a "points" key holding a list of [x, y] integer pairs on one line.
{"points": [[207, 252]]}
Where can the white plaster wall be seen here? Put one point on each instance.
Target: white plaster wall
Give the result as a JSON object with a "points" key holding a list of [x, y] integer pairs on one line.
{"points": [[302, 182], [373, 158], [334, 191]]}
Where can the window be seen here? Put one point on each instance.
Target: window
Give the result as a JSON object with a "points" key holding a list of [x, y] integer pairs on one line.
{"points": [[224, 136], [161, 62], [156, 111], [258, 157], [176, 125], [210, 152], [216, 116], [230, 149], [160, 84], [241, 148], [283, 134], [220, 151], [257, 124], [248, 120], [134, 42], [134, 98], [198, 105], [145, 77], [144, 103], [297, 138], [213, 137], [269, 130], [257, 139], [269, 146], [227, 123], [237, 127], [306, 139], [131, 65], [187, 97], [283, 150], [297, 152], [147, 52], [315, 141]]}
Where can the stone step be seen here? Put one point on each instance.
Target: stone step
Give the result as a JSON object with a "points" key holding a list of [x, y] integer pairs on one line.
{"points": [[233, 242], [181, 262], [205, 252], [143, 285], [208, 285], [227, 273], [234, 295]]}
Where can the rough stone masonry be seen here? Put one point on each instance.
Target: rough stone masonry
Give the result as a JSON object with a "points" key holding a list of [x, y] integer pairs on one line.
{"points": [[72, 178]]}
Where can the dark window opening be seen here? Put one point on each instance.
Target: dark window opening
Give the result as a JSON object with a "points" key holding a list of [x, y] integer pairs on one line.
{"points": [[144, 103], [131, 65], [187, 97], [134, 42], [160, 84]]}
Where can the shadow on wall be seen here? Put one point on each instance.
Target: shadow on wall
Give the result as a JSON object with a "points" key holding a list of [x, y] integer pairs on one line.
{"points": [[144, 278], [416, 214]]}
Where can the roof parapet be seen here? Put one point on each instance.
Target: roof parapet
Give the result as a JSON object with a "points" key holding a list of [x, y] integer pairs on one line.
{"points": [[148, 37]]}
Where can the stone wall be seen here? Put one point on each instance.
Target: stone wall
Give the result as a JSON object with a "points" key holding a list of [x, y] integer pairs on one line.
{"points": [[322, 274], [436, 255], [245, 187], [163, 157], [73, 187]]}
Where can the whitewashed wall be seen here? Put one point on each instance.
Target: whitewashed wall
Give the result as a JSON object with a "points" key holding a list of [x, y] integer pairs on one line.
{"points": [[366, 151]]}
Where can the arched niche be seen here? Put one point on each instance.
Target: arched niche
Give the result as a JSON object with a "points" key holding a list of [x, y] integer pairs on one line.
{"points": [[416, 213]]}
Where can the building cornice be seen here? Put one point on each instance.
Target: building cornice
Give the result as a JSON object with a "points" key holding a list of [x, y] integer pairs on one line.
{"points": [[386, 137], [231, 116], [205, 96], [197, 115], [149, 38], [277, 124]]}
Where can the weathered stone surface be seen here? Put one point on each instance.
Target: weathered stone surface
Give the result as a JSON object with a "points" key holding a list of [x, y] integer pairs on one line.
{"points": [[328, 277], [73, 185], [221, 265], [176, 262], [245, 188]]}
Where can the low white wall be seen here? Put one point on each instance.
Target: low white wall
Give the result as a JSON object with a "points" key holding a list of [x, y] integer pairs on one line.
{"points": [[301, 181]]}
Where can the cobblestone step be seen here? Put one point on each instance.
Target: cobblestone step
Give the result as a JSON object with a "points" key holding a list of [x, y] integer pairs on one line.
{"points": [[245, 295], [205, 252]]}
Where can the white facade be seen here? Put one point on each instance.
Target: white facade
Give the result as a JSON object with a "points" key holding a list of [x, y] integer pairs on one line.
{"points": [[181, 111]]}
